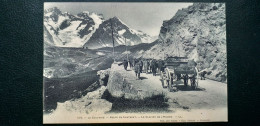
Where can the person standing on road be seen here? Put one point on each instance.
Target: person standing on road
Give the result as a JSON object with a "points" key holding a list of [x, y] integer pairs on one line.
{"points": [[202, 75], [161, 66], [148, 65], [145, 63], [134, 62], [141, 65], [137, 70], [125, 63], [154, 67], [151, 70], [130, 64]]}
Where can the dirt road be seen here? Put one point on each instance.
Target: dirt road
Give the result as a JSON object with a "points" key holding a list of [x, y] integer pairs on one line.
{"points": [[209, 95]]}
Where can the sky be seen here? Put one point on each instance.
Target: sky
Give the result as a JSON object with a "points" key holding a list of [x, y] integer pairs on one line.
{"points": [[147, 17]]}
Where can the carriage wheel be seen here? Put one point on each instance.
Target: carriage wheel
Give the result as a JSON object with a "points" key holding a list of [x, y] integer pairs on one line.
{"points": [[165, 82], [196, 82], [161, 75], [169, 87], [170, 82], [162, 82], [186, 80]]}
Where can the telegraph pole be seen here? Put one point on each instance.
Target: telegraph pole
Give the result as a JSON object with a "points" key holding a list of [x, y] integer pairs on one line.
{"points": [[126, 49], [112, 40]]}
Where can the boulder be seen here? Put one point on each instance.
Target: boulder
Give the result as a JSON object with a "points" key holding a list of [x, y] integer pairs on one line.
{"points": [[97, 94], [117, 83], [103, 76]]}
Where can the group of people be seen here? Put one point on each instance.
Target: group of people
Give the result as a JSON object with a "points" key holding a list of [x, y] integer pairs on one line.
{"points": [[152, 66], [144, 66]]}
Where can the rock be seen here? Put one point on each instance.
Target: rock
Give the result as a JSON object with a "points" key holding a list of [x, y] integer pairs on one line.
{"points": [[118, 86], [103, 73], [73, 106], [103, 76], [98, 106], [92, 87], [90, 103], [97, 94], [115, 82]]}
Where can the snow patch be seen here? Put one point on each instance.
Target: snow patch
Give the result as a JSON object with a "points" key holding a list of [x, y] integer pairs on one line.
{"points": [[100, 53], [121, 32], [97, 20]]}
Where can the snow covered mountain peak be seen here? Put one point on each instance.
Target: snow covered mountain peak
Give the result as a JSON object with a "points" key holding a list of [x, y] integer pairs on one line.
{"points": [[88, 29], [67, 30], [122, 34]]}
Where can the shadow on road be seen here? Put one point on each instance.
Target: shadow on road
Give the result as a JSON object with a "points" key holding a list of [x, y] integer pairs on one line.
{"points": [[143, 78], [189, 88], [155, 103]]}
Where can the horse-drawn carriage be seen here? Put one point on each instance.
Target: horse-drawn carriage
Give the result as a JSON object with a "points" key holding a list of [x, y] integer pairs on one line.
{"points": [[177, 68]]}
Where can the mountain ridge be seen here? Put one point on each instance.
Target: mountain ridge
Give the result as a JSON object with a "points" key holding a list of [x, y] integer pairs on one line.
{"points": [[121, 32], [67, 30]]}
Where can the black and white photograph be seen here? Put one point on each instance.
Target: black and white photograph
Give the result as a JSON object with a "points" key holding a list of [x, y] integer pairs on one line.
{"points": [[127, 62]]}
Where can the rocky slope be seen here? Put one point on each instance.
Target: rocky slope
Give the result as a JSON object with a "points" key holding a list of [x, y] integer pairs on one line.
{"points": [[198, 32], [103, 35]]}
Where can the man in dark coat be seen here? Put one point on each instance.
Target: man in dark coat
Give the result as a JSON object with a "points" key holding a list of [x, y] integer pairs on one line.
{"points": [[125, 64], [137, 70], [151, 65], [130, 63], [154, 67], [145, 68], [141, 65], [202, 75], [161, 65], [148, 65], [134, 62]]}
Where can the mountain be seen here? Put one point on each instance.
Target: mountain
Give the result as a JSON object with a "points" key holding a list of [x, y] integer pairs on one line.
{"points": [[103, 35], [67, 30], [87, 29], [198, 32]]}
